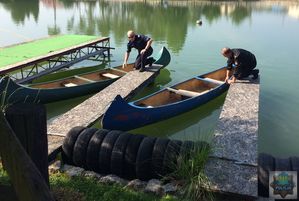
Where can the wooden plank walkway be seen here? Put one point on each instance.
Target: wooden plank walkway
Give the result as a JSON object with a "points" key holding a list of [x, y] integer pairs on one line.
{"points": [[233, 165], [86, 113]]}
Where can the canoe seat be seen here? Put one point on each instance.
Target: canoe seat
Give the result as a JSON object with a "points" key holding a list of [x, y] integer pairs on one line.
{"points": [[69, 84], [211, 80], [109, 75], [84, 79], [186, 92], [119, 70]]}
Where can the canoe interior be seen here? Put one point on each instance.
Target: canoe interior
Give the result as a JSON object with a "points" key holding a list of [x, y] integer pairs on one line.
{"points": [[193, 85], [81, 79], [63, 73], [128, 68], [217, 75], [163, 98]]}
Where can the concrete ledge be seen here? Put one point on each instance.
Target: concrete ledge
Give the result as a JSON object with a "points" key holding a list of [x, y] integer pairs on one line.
{"points": [[226, 176], [236, 131], [54, 142], [233, 167]]}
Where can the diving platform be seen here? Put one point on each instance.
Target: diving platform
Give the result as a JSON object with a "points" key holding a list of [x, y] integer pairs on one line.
{"points": [[27, 61], [232, 167], [89, 111]]}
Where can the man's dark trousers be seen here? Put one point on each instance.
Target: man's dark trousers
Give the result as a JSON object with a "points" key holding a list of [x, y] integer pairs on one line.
{"points": [[141, 59]]}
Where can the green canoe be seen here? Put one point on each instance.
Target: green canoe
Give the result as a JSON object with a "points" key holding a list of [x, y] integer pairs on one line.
{"points": [[69, 87]]}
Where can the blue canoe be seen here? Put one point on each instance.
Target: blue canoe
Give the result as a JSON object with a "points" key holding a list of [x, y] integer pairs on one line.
{"points": [[166, 103], [69, 87]]}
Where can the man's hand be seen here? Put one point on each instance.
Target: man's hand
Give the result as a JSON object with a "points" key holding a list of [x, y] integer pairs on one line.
{"points": [[226, 79], [142, 51], [232, 80]]}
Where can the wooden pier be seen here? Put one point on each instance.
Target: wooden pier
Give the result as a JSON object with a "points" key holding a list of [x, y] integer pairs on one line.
{"points": [[233, 164], [27, 61], [88, 112]]}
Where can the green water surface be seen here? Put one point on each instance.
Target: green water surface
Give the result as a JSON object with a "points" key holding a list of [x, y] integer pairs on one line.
{"points": [[269, 29]]}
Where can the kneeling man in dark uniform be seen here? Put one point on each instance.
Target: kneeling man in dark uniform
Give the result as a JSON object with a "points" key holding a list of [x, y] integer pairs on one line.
{"points": [[143, 44], [242, 62]]}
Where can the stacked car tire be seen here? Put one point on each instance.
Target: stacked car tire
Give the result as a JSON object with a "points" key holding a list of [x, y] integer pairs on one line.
{"points": [[123, 154], [268, 163]]}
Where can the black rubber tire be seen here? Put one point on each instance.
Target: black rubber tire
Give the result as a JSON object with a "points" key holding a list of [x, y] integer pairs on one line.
{"points": [[131, 155], [118, 154], [295, 164], [144, 157], [158, 157], [68, 144], [171, 156], [282, 164], [106, 150], [93, 149], [266, 163], [80, 148]]}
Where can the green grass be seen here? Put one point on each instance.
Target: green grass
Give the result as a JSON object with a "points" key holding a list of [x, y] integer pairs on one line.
{"points": [[65, 188], [4, 179], [90, 189], [189, 173]]}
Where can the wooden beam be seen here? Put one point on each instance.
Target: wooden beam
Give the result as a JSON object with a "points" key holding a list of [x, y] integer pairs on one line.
{"points": [[186, 92], [7, 193], [109, 75], [84, 79], [25, 177], [29, 123], [211, 80]]}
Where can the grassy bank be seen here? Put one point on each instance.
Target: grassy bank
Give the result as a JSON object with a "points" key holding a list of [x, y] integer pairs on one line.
{"points": [[89, 189], [66, 188], [188, 174]]}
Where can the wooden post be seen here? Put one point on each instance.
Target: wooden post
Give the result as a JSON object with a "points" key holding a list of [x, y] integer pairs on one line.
{"points": [[29, 123], [7, 193], [25, 177]]}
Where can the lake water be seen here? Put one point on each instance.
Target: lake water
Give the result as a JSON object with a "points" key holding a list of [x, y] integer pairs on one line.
{"points": [[269, 29]]}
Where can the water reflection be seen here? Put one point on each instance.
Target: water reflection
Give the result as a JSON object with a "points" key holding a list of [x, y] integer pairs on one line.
{"points": [[163, 20], [20, 9], [53, 30], [261, 26], [293, 11]]}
